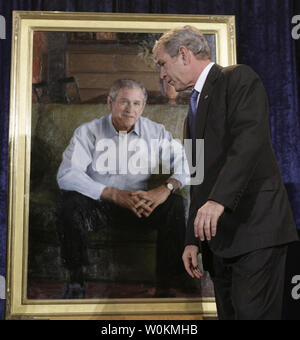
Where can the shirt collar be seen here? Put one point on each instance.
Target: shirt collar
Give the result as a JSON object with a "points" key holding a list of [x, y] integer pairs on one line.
{"points": [[114, 132], [202, 78], [137, 127]]}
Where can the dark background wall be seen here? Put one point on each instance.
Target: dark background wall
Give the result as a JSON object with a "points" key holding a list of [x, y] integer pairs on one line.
{"points": [[264, 42]]}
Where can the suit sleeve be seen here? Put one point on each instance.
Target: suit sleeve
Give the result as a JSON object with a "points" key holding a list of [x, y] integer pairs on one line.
{"points": [[248, 128]]}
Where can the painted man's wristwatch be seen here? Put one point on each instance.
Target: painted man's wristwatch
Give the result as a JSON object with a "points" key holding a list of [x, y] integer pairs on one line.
{"points": [[170, 186]]}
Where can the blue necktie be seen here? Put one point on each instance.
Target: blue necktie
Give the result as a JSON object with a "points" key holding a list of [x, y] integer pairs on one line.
{"points": [[193, 112]]}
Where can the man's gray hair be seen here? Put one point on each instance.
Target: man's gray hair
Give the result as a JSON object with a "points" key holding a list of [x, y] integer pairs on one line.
{"points": [[126, 83], [187, 36]]}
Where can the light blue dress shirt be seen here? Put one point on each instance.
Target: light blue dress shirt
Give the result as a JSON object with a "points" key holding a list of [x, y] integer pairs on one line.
{"points": [[98, 156]]}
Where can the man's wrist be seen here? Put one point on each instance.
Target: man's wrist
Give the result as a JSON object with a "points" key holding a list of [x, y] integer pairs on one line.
{"points": [[216, 203], [109, 194], [163, 188], [172, 184]]}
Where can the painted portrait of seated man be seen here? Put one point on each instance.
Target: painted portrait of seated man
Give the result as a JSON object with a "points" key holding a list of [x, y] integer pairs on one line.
{"points": [[104, 178]]}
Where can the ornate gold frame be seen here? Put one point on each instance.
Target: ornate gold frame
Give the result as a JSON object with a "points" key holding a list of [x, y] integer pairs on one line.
{"points": [[24, 25]]}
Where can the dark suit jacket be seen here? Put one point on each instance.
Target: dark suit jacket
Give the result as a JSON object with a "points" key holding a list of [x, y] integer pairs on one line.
{"points": [[240, 168]]}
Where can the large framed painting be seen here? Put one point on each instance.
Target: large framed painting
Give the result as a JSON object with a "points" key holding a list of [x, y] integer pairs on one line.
{"points": [[63, 65]]}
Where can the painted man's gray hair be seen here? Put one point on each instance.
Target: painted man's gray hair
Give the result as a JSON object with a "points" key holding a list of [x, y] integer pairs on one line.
{"points": [[187, 36], [126, 83]]}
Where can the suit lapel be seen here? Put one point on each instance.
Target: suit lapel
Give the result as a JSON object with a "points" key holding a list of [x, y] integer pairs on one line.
{"points": [[205, 97]]}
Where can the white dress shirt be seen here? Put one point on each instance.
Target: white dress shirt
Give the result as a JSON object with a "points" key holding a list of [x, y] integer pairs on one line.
{"points": [[202, 79]]}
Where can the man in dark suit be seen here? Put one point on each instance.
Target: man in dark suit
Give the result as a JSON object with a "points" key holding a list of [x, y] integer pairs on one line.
{"points": [[240, 217]]}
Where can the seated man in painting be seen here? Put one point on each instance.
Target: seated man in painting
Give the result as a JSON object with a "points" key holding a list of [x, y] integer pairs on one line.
{"points": [[104, 179]]}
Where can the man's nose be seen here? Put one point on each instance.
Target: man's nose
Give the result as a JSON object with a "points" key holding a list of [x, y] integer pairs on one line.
{"points": [[129, 107], [163, 73]]}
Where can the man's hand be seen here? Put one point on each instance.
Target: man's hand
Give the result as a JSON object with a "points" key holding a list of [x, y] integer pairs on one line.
{"points": [[149, 200], [125, 199], [205, 224], [190, 260]]}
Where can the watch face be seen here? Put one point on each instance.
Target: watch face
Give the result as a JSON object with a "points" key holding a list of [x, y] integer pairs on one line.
{"points": [[170, 186]]}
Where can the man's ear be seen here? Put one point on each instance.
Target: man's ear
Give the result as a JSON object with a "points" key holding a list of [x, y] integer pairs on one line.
{"points": [[185, 53], [109, 102]]}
